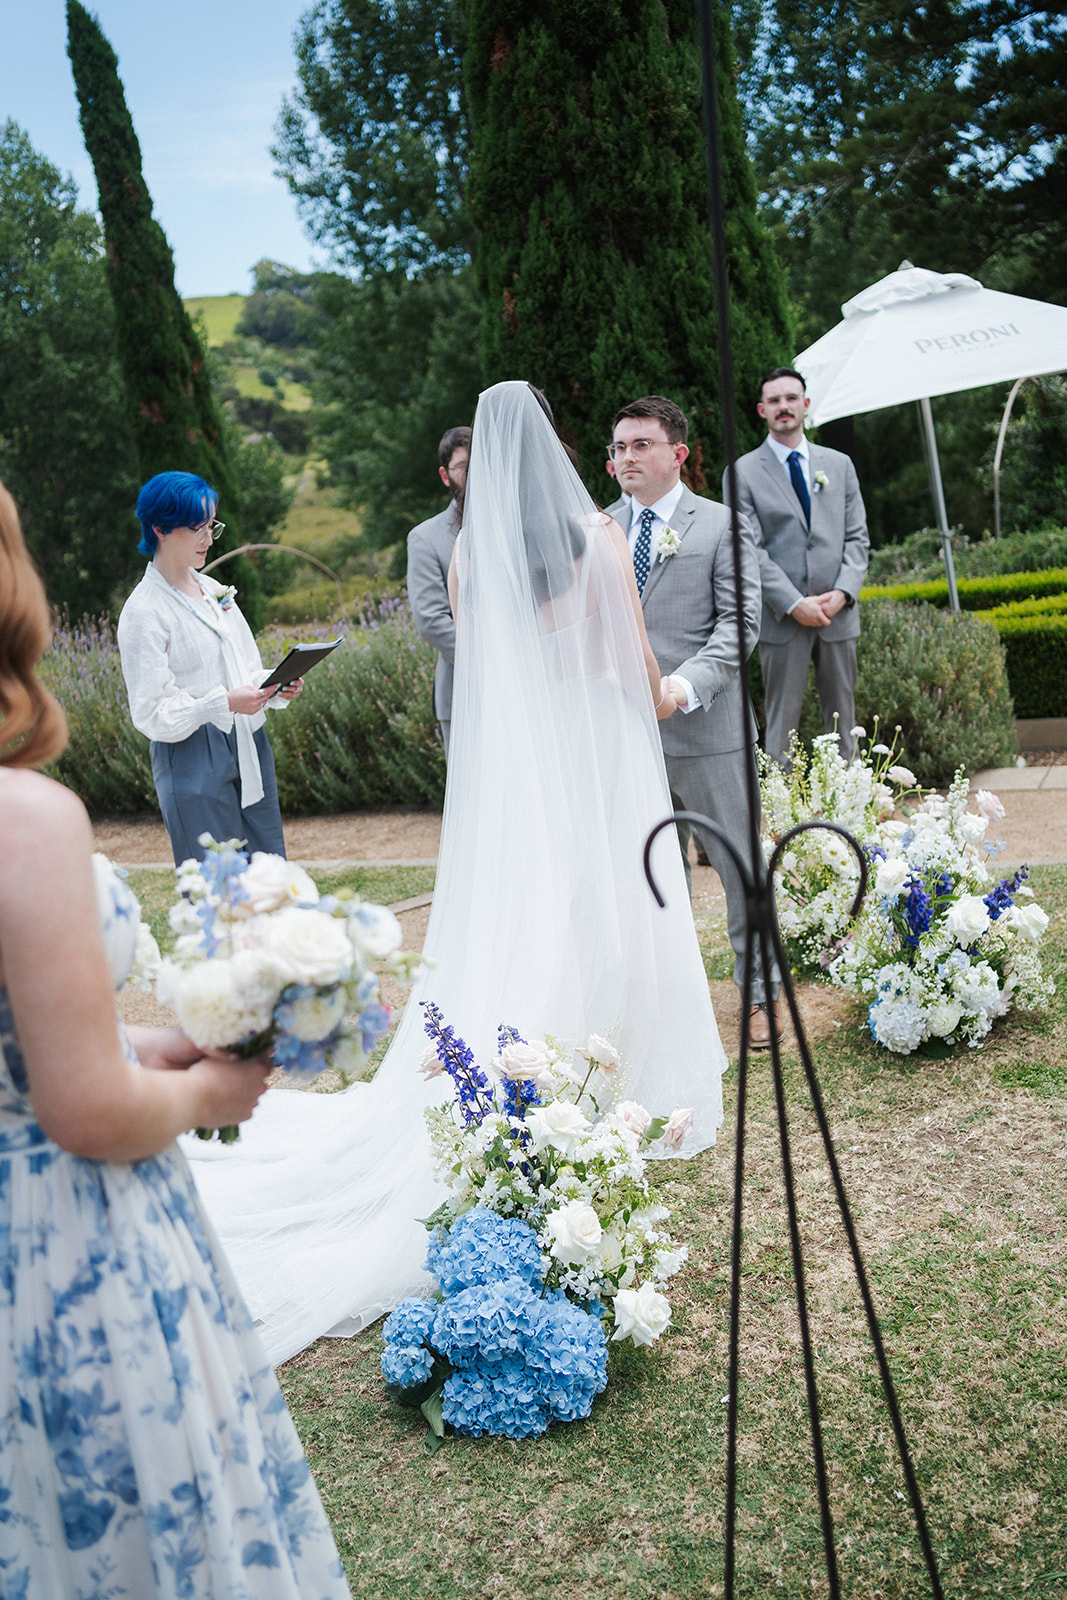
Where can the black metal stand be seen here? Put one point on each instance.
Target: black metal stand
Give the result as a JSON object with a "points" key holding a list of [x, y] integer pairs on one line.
{"points": [[763, 935]]}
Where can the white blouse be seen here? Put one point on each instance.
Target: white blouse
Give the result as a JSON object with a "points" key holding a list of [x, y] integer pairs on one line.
{"points": [[179, 658]]}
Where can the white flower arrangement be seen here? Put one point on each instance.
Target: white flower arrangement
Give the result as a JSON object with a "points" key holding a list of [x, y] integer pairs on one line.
{"points": [[263, 961], [937, 952], [666, 542], [517, 1141], [818, 875]]}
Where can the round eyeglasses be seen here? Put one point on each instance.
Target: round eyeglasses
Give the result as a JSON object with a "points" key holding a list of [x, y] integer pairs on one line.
{"points": [[637, 447], [215, 529]]}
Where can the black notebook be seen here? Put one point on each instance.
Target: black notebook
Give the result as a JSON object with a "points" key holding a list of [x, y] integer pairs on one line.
{"points": [[297, 662]]}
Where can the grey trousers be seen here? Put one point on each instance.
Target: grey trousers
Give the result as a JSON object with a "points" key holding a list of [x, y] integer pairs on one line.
{"points": [[716, 787], [785, 677], [199, 790]]}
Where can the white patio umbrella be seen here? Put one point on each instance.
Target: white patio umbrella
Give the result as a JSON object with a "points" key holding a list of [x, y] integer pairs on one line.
{"points": [[915, 334]]}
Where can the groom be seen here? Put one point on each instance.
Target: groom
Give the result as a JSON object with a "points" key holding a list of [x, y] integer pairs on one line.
{"points": [[683, 560]]}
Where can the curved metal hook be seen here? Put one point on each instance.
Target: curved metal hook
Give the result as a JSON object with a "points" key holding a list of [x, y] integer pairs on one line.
{"points": [[695, 819], [831, 827]]}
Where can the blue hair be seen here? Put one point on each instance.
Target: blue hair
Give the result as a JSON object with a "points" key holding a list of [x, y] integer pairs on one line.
{"points": [[173, 500]]}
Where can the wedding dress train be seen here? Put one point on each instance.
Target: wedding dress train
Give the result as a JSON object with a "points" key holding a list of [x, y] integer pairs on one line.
{"points": [[541, 915]]}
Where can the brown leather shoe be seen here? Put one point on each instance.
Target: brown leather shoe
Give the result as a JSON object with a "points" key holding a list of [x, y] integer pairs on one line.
{"points": [[761, 1018]]}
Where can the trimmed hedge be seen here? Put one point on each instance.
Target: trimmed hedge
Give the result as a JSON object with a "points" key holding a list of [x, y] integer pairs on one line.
{"points": [[976, 594], [1035, 648]]}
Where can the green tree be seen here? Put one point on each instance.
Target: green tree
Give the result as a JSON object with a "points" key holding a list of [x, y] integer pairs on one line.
{"points": [[588, 187], [279, 310], [65, 453], [170, 410]]}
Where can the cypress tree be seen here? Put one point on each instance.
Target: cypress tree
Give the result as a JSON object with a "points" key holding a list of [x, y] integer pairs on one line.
{"points": [[588, 186], [172, 415]]}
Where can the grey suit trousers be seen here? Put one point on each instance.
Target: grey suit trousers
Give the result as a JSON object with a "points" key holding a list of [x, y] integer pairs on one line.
{"points": [[785, 676], [716, 787]]}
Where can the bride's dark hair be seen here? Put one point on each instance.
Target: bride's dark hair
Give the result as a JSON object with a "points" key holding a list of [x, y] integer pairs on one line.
{"points": [[33, 729]]}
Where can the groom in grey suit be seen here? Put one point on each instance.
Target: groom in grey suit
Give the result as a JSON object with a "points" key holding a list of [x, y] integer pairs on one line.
{"points": [[683, 560], [430, 546], [806, 510]]}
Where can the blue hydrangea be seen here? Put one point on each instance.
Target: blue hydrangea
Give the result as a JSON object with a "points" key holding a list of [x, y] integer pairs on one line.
{"points": [[483, 1248], [570, 1359], [406, 1359], [487, 1324], [505, 1401]]}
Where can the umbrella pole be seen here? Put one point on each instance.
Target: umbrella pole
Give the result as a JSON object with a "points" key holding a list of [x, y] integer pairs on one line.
{"points": [[937, 490]]}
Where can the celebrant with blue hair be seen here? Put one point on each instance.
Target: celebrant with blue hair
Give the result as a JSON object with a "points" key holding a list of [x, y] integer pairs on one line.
{"points": [[192, 674]]}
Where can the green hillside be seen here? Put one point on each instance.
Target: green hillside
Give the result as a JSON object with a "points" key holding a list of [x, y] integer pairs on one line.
{"points": [[219, 313]]}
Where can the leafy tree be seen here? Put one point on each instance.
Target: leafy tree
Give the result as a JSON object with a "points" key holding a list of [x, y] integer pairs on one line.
{"points": [[1033, 477], [279, 310], [374, 142], [172, 416], [588, 184], [65, 453]]}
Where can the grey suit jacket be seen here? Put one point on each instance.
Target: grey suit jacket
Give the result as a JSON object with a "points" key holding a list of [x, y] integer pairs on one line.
{"points": [[792, 562], [430, 546], [689, 615]]}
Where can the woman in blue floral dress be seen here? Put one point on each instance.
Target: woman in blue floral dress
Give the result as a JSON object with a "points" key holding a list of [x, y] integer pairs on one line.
{"points": [[145, 1449]]}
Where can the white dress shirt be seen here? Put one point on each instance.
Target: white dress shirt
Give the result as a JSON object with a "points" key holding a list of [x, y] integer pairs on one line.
{"points": [[180, 656], [663, 510]]}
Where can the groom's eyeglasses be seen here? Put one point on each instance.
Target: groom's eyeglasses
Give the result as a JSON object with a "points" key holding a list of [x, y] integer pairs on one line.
{"points": [[636, 447]]}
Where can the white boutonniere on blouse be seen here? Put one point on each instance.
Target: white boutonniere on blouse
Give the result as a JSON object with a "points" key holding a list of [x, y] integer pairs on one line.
{"points": [[665, 542], [224, 593], [227, 596], [821, 482]]}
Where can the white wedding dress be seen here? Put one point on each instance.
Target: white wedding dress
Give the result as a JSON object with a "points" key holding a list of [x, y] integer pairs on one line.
{"points": [[541, 918]]}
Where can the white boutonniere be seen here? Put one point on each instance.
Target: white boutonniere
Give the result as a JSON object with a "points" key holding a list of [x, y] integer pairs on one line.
{"points": [[821, 481], [666, 542], [227, 597], [224, 593]]}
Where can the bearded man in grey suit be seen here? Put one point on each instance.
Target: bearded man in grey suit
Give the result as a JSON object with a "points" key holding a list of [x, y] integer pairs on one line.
{"points": [[806, 510], [430, 546], [683, 560]]}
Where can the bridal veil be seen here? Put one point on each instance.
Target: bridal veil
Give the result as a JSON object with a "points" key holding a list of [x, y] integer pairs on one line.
{"points": [[541, 915]]}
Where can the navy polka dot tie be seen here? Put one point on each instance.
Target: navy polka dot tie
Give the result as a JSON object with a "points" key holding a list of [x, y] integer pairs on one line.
{"points": [[643, 548]]}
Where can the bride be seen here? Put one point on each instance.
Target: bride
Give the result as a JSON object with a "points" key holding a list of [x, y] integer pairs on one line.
{"points": [[541, 915]]}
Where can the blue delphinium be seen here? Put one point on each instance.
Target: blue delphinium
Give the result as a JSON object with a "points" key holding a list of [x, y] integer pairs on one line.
{"points": [[474, 1092], [1002, 898], [484, 1248]]}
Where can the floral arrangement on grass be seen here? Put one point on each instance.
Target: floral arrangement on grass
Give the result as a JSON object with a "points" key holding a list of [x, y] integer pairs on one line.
{"points": [[938, 951], [818, 875], [551, 1229], [263, 961]]}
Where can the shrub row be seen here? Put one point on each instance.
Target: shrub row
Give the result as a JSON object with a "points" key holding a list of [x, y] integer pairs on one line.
{"points": [[362, 734], [919, 557], [976, 594]]}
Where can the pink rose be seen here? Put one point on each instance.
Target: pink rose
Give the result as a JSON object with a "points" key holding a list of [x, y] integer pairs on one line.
{"points": [[430, 1065], [633, 1116], [989, 805], [678, 1126]]}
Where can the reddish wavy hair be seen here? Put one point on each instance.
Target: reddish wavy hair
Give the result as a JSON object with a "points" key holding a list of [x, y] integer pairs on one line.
{"points": [[33, 729]]}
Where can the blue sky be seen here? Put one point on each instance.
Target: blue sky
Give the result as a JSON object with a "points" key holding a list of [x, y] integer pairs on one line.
{"points": [[204, 81]]}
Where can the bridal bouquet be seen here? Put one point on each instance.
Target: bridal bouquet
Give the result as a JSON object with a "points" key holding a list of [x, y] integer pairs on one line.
{"points": [[818, 875], [937, 951], [263, 961], [552, 1234]]}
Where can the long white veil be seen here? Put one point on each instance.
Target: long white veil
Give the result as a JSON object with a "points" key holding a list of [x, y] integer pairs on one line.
{"points": [[541, 916]]}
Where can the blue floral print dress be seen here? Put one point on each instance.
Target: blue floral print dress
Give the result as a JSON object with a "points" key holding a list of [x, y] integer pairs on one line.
{"points": [[145, 1448]]}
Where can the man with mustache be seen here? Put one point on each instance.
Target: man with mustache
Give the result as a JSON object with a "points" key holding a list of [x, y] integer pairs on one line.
{"points": [[430, 546], [804, 504], [683, 560]]}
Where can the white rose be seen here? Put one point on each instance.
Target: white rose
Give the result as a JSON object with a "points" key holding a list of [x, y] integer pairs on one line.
{"points": [[430, 1063], [146, 961], [901, 775], [989, 805], [521, 1061], [943, 1018], [375, 931], [895, 828], [967, 919], [678, 1125], [207, 1008], [256, 981], [973, 827], [603, 1053], [576, 1233], [633, 1116], [891, 876], [316, 1016], [271, 882], [559, 1124], [183, 918], [1029, 922], [309, 946], [641, 1314]]}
